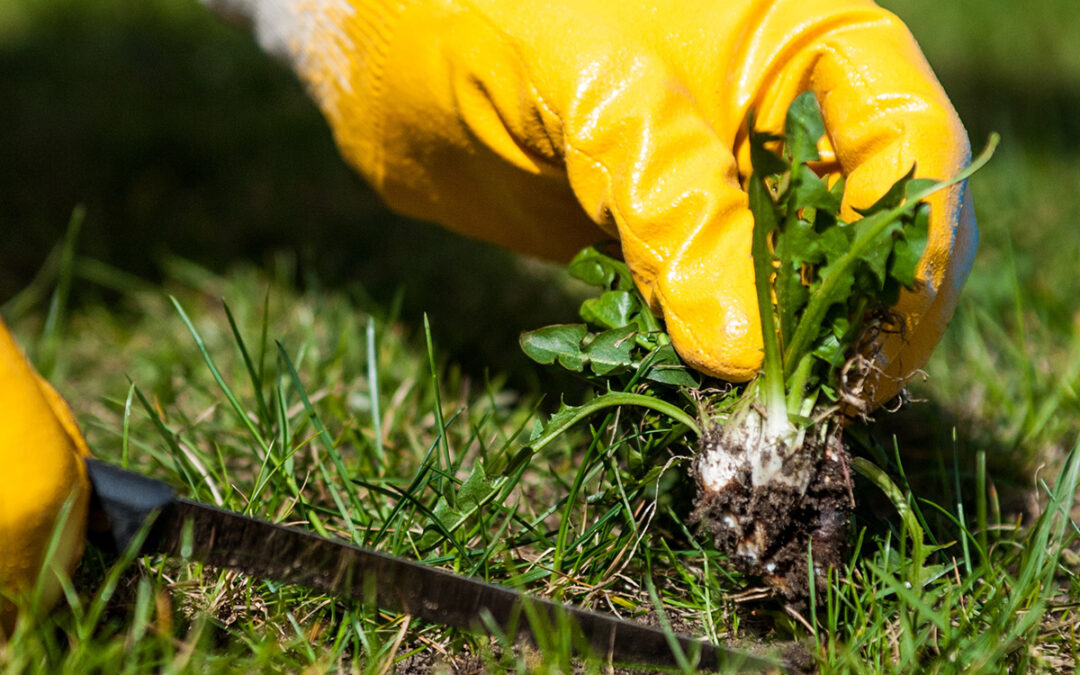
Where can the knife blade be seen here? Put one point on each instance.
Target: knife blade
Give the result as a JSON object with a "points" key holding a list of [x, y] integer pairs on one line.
{"points": [[125, 502]]}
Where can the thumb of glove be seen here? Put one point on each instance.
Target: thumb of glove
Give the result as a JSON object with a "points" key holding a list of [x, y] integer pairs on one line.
{"points": [[42, 477]]}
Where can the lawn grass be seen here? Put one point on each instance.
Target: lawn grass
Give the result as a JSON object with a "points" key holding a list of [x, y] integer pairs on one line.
{"points": [[352, 447], [596, 518], [401, 433]]}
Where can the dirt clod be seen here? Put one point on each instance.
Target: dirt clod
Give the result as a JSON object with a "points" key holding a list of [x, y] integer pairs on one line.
{"points": [[767, 530]]}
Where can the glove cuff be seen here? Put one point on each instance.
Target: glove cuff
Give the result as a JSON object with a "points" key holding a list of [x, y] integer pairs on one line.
{"points": [[341, 58], [339, 50]]}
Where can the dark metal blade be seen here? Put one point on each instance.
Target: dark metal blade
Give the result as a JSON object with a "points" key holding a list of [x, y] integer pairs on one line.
{"points": [[265, 550]]}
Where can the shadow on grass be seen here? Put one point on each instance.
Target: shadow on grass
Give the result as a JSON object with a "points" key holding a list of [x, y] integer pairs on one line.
{"points": [[939, 452]]}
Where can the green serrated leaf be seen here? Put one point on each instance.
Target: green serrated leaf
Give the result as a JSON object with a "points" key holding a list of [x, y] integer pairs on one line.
{"points": [[835, 242], [800, 239], [664, 366], [831, 348], [475, 489], [596, 268], [537, 429], [442, 516], [612, 309], [808, 190], [802, 129], [609, 352], [915, 186], [560, 343], [908, 251], [765, 161], [566, 415], [895, 194], [797, 250], [875, 252]]}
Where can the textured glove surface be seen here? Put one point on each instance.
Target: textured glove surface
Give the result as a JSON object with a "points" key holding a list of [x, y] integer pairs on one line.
{"points": [[546, 126], [41, 453]]}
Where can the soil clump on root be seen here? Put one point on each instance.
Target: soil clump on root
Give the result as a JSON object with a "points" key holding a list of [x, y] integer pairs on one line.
{"points": [[766, 529]]}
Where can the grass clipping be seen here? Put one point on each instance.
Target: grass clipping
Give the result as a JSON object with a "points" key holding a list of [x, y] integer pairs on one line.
{"points": [[773, 484]]}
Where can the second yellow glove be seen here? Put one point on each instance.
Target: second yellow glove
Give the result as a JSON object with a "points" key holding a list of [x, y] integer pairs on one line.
{"points": [[41, 470]]}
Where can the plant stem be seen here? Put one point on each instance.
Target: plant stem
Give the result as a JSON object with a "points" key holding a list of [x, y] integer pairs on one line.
{"points": [[617, 399], [772, 386]]}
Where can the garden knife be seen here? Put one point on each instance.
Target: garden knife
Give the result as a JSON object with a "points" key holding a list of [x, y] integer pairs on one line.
{"points": [[124, 503]]}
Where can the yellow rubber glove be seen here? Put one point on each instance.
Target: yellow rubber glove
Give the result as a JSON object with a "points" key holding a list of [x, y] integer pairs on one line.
{"points": [[545, 126], [41, 467]]}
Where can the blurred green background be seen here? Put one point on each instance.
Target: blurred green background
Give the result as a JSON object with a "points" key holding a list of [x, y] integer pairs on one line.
{"points": [[182, 139]]}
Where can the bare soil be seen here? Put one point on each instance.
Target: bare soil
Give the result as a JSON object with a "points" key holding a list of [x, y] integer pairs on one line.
{"points": [[783, 524]]}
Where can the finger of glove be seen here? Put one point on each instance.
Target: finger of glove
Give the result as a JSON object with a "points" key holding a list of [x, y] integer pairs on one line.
{"points": [[514, 132], [885, 113], [40, 452], [642, 158], [505, 129]]}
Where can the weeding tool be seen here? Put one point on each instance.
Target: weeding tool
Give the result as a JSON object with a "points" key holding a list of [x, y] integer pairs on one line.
{"points": [[125, 503]]}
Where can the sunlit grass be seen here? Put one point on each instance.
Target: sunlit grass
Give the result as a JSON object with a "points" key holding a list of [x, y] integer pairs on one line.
{"points": [[281, 427]]}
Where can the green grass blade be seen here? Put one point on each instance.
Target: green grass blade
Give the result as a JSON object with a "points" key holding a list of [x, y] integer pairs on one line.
{"points": [[373, 392], [255, 375], [46, 360], [611, 400], [331, 449], [443, 443], [241, 413]]}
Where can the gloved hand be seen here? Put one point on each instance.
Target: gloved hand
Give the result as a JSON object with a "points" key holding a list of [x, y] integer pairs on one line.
{"points": [[547, 126], [41, 468]]}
